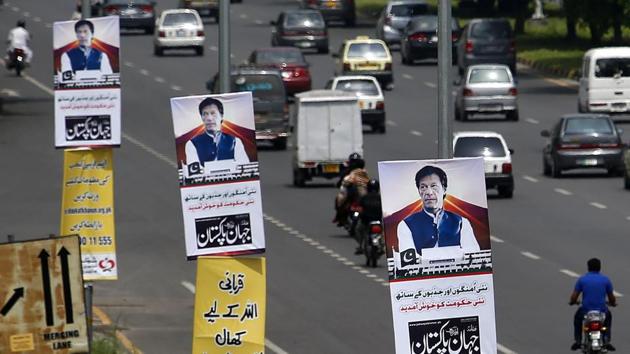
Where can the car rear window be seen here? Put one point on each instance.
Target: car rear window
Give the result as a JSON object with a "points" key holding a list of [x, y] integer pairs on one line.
{"points": [[612, 67], [266, 87], [308, 19], [474, 146], [279, 57], [488, 75], [409, 10], [362, 50], [429, 24], [580, 126], [491, 29], [360, 87], [179, 19]]}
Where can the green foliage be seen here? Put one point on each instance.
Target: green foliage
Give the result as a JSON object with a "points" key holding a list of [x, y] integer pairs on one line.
{"points": [[106, 345]]}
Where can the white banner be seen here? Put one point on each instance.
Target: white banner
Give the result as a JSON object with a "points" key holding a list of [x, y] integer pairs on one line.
{"points": [[219, 179]]}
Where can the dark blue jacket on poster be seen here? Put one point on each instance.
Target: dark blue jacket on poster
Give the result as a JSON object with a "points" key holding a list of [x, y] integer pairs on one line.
{"points": [[208, 150], [80, 62], [426, 233]]}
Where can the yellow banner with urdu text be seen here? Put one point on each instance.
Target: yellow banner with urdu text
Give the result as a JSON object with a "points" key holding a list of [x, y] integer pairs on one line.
{"points": [[230, 302], [88, 209]]}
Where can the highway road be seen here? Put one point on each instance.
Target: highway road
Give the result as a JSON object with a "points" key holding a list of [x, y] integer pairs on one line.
{"points": [[321, 299]]}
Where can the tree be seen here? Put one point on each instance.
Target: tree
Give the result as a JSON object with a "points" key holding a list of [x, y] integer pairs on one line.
{"points": [[521, 13], [572, 13]]}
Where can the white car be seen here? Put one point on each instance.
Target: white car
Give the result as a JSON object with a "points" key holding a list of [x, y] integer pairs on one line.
{"points": [[371, 99], [180, 29], [496, 155]]}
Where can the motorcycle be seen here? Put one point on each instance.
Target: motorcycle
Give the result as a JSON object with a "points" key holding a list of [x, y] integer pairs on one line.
{"points": [[17, 61], [373, 243], [353, 219], [593, 331]]}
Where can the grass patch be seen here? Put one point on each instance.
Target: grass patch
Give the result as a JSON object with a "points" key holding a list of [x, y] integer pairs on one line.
{"points": [[370, 8], [106, 345]]}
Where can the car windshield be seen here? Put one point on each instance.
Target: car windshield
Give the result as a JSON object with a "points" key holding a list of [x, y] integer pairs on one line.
{"points": [[581, 126], [304, 19], [128, 2], [360, 87], [473, 146], [279, 57], [409, 10], [612, 67], [263, 87], [488, 75], [366, 50], [491, 29], [428, 24], [179, 19]]}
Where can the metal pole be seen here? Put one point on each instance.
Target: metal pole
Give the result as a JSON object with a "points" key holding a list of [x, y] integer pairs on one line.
{"points": [[445, 87], [224, 46], [89, 294], [86, 11]]}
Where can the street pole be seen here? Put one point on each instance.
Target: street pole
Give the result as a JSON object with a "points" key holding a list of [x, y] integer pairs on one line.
{"points": [[445, 87], [224, 46], [86, 10]]}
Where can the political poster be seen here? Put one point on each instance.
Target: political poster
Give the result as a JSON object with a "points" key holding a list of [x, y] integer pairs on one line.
{"points": [[215, 140], [439, 259], [230, 302], [86, 66], [88, 209]]}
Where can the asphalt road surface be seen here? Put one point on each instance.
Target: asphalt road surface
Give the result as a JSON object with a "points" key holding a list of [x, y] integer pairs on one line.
{"points": [[321, 299]]}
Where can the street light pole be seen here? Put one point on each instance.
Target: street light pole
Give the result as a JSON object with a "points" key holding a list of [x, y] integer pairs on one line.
{"points": [[224, 46], [445, 87]]}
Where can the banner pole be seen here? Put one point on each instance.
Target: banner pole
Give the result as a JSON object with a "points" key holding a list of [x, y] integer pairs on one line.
{"points": [[89, 293]]}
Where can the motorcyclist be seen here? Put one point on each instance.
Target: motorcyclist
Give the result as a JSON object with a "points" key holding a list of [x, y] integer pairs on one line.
{"points": [[19, 38], [371, 210], [595, 288], [352, 187]]}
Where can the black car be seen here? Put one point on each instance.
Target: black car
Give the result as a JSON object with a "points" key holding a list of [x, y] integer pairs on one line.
{"points": [[487, 41], [341, 10], [270, 100], [583, 141], [132, 14], [304, 29], [420, 39]]}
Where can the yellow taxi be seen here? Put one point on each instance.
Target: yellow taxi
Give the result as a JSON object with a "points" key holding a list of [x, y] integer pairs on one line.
{"points": [[365, 56]]}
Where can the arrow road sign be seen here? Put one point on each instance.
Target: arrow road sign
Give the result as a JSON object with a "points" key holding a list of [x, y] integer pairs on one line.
{"points": [[17, 294], [65, 275], [43, 256]]}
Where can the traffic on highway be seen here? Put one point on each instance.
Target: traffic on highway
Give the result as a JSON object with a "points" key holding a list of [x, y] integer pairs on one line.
{"points": [[331, 116]]}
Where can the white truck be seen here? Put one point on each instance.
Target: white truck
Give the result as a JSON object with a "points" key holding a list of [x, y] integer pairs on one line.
{"points": [[327, 129]]}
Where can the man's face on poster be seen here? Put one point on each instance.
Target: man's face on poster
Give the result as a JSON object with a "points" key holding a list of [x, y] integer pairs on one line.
{"points": [[84, 36], [432, 193], [211, 118]]}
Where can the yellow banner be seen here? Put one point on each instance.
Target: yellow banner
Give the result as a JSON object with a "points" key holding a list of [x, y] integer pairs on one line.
{"points": [[230, 306], [88, 209]]}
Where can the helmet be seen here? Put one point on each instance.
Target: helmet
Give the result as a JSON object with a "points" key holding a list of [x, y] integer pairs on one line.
{"points": [[355, 161], [373, 186], [21, 23]]}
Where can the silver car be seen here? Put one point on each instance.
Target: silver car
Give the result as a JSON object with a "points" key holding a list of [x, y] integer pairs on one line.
{"points": [[486, 89], [394, 18], [179, 29]]}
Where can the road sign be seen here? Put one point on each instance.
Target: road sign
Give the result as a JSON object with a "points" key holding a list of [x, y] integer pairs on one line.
{"points": [[42, 309]]}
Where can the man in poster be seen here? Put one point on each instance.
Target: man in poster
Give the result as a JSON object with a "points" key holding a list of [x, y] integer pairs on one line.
{"points": [[433, 226], [213, 144], [84, 57]]}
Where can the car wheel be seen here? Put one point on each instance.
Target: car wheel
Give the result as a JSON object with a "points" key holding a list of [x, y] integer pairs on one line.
{"points": [[299, 180], [457, 113], [351, 21], [463, 115], [512, 115], [380, 128], [506, 191], [323, 50], [615, 172], [280, 143], [199, 51], [626, 180], [556, 172], [149, 30], [580, 108], [546, 167], [158, 51]]}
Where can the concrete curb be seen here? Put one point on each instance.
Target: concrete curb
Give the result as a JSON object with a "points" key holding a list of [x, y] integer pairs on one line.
{"points": [[570, 74]]}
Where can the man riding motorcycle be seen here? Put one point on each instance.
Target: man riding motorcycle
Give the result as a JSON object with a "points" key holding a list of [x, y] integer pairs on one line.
{"points": [[352, 187], [371, 210], [18, 38], [595, 288]]}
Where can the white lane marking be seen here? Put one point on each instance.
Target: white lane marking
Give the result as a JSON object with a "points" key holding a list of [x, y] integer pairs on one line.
{"points": [[496, 239], [38, 84], [569, 273], [48, 25], [628, 218], [259, 22], [37, 19], [530, 255], [562, 191], [159, 79], [189, 286], [530, 178], [407, 76], [349, 263], [15, 8], [391, 122], [430, 84], [144, 72], [385, 284], [148, 149], [129, 64], [10, 93], [598, 205], [213, 48], [617, 294], [243, 16], [416, 133], [505, 350], [532, 121], [269, 344], [26, 14], [371, 275]]}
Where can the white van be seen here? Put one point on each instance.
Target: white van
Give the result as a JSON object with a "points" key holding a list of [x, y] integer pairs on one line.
{"points": [[605, 81]]}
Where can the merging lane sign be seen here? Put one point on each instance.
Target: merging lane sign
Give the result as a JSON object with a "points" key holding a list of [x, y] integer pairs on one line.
{"points": [[42, 309]]}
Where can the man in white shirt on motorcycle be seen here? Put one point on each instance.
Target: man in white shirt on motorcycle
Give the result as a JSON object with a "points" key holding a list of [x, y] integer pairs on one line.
{"points": [[19, 38]]}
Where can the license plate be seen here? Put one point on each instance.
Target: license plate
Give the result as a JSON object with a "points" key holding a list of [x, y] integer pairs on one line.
{"points": [[492, 49], [490, 107], [304, 44], [434, 39], [595, 335], [330, 4], [587, 162], [361, 105], [330, 168], [180, 33], [619, 105]]}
